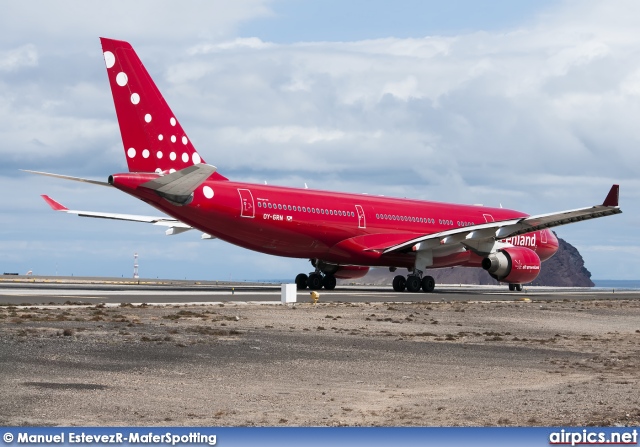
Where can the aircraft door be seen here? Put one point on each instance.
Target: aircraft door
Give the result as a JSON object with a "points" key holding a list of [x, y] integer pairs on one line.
{"points": [[488, 218], [543, 236], [246, 203], [362, 223]]}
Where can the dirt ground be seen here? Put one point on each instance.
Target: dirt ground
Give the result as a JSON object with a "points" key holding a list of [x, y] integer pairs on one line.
{"points": [[371, 364]]}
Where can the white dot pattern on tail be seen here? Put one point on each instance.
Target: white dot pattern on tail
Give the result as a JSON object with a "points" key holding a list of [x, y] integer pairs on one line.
{"points": [[172, 121], [145, 153], [135, 98], [121, 79], [131, 152], [184, 140], [109, 59], [196, 158], [185, 157], [159, 155], [147, 118], [172, 156], [208, 192]]}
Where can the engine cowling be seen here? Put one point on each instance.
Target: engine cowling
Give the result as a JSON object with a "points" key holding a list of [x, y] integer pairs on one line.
{"points": [[515, 265]]}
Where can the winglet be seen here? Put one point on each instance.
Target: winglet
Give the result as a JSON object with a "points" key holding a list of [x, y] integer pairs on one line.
{"points": [[612, 197], [53, 204]]}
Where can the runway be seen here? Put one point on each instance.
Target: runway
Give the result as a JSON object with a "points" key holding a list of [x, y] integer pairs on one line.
{"points": [[89, 291]]}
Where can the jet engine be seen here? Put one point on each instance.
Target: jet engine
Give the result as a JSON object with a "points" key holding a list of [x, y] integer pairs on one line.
{"points": [[515, 265]]}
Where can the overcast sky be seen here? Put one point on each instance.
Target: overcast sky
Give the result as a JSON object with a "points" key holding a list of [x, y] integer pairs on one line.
{"points": [[533, 105]]}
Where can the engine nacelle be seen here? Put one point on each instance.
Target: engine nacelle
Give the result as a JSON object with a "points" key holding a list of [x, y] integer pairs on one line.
{"points": [[515, 265]]}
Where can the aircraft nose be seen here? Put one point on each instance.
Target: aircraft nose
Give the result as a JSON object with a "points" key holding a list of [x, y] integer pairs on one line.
{"points": [[549, 248]]}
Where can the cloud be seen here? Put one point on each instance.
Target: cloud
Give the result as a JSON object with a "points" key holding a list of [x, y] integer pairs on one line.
{"points": [[14, 59], [65, 22]]}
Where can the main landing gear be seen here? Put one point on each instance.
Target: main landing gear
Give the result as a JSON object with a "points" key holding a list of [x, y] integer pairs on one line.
{"points": [[515, 287], [315, 281], [413, 283]]}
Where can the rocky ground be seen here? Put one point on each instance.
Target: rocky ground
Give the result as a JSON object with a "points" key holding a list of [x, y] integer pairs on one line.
{"points": [[424, 364]]}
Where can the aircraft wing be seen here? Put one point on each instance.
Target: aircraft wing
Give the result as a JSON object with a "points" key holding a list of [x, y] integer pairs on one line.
{"points": [[175, 226], [474, 236]]}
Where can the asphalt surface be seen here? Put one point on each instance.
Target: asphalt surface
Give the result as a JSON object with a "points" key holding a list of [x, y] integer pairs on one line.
{"points": [[55, 291]]}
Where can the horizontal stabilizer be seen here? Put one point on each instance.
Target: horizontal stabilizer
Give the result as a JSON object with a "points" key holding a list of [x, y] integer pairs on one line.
{"points": [[67, 177]]}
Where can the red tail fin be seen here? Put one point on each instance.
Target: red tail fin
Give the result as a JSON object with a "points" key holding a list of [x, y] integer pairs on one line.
{"points": [[153, 139]]}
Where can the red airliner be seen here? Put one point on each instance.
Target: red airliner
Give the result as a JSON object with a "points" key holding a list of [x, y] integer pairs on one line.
{"points": [[341, 234]]}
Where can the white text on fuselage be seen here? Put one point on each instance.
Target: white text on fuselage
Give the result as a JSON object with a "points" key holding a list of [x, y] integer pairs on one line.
{"points": [[523, 241], [278, 217]]}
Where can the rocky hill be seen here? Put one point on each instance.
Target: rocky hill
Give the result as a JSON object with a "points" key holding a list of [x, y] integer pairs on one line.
{"points": [[565, 269]]}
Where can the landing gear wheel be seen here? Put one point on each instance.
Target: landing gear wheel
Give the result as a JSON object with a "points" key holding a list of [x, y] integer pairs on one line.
{"points": [[512, 287], [399, 283], [329, 282], [301, 281], [518, 287], [428, 284], [413, 283], [315, 281]]}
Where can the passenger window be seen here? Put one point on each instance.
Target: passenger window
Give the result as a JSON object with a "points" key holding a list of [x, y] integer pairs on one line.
{"points": [[269, 205]]}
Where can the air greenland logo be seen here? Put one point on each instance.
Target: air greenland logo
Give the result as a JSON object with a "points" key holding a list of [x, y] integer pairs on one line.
{"points": [[522, 241], [521, 266]]}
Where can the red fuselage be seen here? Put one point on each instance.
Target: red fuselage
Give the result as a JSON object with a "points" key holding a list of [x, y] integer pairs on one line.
{"points": [[334, 227]]}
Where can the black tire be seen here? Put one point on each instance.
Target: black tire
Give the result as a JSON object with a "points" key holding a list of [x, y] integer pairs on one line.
{"points": [[413, 283], [301, 281], [518, 287], [512, 287], [329, 282], [315, 281], [399, 283], [428, 284]]}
